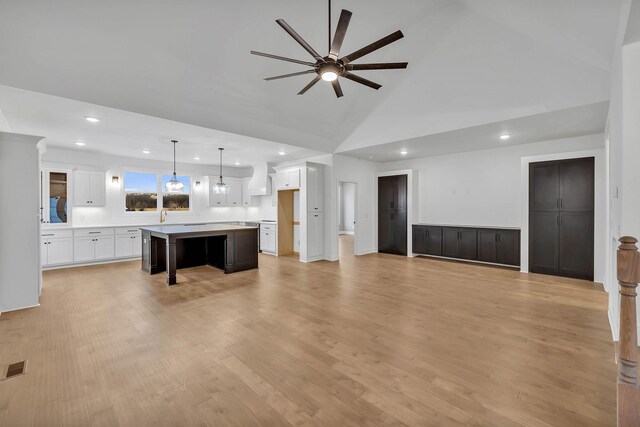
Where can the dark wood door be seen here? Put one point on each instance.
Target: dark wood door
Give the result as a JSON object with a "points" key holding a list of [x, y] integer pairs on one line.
{"points": [[386, 192], [450, 243], [487, 245], [419, 237], [508, 247], [468, 243], [399, 232], [575, 258], [561, 237], [576, 186], [392, 214], [544, 181], [434, 241], [385, 231]]}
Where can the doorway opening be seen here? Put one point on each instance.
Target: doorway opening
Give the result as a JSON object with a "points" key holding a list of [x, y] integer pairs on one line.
{"points": [[347, 201], [289, 223]]}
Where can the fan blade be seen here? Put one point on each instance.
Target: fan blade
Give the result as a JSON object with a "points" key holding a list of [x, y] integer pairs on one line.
{"points": [[307, 87], [361, 80], [282, 58], [383, 66], [341, 30], [300, 73], [299, 39], [337, 88], [373, 47]]}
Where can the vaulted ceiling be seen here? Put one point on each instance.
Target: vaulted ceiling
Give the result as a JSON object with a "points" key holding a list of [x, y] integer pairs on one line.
{"points": [[471, 63]]}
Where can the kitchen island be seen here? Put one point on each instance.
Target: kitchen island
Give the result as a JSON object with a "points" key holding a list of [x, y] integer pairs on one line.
{"points": [[170, 247]]}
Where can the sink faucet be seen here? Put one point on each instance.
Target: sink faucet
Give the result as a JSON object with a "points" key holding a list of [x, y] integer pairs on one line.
{"points": [[163, 216]]}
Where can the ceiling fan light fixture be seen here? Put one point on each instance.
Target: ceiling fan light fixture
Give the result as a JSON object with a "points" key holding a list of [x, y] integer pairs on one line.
{"points": [[329, 76]]}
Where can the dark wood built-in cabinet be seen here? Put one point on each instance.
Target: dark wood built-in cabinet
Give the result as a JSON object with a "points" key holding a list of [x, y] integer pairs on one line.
{"points": [[561, 228], [493, 245], [392, 214]]}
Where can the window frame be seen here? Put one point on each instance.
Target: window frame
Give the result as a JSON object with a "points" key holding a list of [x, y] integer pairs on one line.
{"points": [[159, 191]]}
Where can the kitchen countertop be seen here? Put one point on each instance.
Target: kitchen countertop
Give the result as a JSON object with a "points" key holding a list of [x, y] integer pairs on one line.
{"points": [[195, 228], [81, 227], [468, 226]]}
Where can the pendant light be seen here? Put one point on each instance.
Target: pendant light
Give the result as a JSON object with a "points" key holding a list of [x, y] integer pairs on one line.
{"points": [[220, 187], [174, 185]]}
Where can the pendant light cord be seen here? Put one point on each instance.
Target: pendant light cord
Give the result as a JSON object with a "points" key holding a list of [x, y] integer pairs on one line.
{"points": [[220, 164], [174, 158]]}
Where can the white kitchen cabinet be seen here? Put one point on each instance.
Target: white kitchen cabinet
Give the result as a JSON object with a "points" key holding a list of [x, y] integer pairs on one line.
{"points": [[56, 247], [268, 238], [247, 199], [55, 192], [128, 242], [315, 236], [217, 200], [274, 190], [234, 198], [89, 188], [288, 180], [315, 188], [93, 244]]}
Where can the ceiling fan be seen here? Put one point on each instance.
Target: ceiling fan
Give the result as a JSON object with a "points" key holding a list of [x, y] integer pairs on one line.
{"points": [[330, 67]]}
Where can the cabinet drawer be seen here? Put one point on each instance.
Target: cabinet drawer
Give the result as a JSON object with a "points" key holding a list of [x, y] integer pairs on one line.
{"points": [[267, 227], [127, 230], [88, 232], [56, 234]]}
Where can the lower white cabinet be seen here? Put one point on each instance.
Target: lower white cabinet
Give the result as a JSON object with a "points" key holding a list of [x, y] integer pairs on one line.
{"points": [[56, 247], [128, 243], [268, 238], [93, 245], [315, 235]]}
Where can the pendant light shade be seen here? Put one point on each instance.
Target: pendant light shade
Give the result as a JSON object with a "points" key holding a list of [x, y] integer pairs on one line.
{"points": [[174, 186], [220, 187]]}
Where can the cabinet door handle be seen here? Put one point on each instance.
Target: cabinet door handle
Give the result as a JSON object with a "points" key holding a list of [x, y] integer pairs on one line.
{"points": [[48, 234], [561, 203], [94, 232]]}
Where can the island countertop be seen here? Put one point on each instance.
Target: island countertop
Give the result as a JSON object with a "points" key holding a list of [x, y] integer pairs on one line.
{"points": [[176, 229]]}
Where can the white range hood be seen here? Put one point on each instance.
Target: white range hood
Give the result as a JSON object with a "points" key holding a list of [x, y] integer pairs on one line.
{"points": [[260, 183]]}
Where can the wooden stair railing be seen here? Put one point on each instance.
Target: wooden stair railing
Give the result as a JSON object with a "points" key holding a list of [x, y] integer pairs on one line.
{"points": [[628, 277]]}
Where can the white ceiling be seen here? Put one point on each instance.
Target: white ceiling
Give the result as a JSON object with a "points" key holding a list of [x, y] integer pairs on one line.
{"points": [[471, 63]]}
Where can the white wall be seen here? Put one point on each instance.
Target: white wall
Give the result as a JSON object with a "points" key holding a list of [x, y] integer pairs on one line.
{"points": [[19, 221], [480, 187], [347, 206], [113, 212], [362, 173]]}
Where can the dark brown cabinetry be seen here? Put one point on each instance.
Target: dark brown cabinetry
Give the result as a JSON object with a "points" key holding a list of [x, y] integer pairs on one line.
{"points": [[561, 204], [494, 245], [392, 214], [499, 246]]}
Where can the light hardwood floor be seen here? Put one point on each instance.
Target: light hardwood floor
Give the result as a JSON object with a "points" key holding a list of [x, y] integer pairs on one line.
{"points": [[372, 340]]}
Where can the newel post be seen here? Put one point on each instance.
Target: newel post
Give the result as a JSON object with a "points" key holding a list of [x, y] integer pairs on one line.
{"points": [[628, 277]]}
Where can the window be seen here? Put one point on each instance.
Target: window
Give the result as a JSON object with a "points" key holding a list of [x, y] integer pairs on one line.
{"points": [[141, 192], [176, 201]]}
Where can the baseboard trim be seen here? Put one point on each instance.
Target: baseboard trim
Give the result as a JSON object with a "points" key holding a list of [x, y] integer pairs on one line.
{"points": [[86, 264], [19, 308]]}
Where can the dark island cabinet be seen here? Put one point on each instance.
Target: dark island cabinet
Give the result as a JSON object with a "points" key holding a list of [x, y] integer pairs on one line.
{"points": [[494, 245]]}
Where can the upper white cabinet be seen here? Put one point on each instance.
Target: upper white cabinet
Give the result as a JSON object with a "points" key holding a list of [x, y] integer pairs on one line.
{"points": [[247, 199], [315, 188], [55, 187], [89, 188], [288, 180], [234, 198]]}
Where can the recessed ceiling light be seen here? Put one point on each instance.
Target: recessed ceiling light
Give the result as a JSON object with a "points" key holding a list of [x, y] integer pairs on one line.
{"points": [[146, 151], [237, 163], [282, 153], [196, 158], [504, 137], [92, 119], [403, 152], [80, 143]]}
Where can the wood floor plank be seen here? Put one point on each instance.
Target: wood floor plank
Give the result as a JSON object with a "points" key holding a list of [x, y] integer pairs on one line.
{"points": [[376, 340]]}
